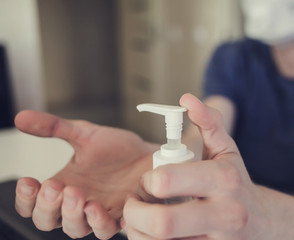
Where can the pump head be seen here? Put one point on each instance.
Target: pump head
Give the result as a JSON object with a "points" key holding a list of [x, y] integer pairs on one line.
{"points": [[173, 151], [173, 117]]}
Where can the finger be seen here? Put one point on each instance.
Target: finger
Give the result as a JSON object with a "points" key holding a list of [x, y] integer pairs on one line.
{"points": [[103, 225], [194, 218], [48, 125], [198, 179], [26, 194], [210, 123], [46, 214], [133, 234], [74, 221]]}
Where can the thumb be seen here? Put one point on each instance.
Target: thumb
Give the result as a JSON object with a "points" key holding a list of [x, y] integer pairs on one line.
{"points": [[45, 125], [210, 123]]}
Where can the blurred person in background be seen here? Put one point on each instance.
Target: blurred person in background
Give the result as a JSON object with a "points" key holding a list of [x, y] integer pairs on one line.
{"points": [[255, 79], [249, 93]]}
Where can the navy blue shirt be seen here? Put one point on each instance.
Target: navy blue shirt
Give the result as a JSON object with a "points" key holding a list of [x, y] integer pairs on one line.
{"points": [[245, 72]]}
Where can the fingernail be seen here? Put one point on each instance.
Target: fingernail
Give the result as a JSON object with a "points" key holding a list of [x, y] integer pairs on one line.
{"points": [[70, 202], [26, 190], [90, 213], [50, 194]]}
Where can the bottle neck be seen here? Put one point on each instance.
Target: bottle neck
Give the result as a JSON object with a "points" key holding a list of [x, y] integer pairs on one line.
{"points": [[173, 143]]}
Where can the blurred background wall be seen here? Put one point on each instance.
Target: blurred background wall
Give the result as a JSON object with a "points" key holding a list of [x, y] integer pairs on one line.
{"points": [[20, 35], [79, 43], [164, 47], [98, 59]]}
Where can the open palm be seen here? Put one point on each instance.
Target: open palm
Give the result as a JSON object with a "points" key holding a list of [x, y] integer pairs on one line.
{"points": [[106, 166]]}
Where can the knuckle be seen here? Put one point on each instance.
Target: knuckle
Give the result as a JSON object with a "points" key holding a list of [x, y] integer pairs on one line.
{"points": [[163, 223], [235, 217], [160, 184], [218, 116], [230, 178], [239, 217], [82, 124]]}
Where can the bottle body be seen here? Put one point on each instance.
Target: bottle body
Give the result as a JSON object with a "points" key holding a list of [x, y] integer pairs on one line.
{"points": [[166, 156], [173, 156]]}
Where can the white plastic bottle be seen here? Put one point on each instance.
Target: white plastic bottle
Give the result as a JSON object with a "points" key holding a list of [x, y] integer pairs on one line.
{"points": [[173, 152]]}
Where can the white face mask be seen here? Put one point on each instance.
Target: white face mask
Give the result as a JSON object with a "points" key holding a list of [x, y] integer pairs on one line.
{"points": [[271, 21]]}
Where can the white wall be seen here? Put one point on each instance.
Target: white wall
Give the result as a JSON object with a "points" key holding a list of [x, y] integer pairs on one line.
{"points": [[19, 32]]}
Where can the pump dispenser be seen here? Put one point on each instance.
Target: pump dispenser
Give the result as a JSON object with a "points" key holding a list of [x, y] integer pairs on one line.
{"points": [[173, 152]]}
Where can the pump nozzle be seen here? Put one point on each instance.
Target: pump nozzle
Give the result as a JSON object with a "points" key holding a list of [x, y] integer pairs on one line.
{"points": [[173, 118]]}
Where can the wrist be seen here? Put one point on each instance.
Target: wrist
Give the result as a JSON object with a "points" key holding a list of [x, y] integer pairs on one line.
{"points": [[278, 213], [264, 219]]}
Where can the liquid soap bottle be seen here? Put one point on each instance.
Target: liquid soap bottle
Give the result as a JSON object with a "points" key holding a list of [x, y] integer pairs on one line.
{"points": [[173, 152]]}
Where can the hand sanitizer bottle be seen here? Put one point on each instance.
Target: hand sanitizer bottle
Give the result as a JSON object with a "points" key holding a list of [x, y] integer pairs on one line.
{"points": [[173, 152]]}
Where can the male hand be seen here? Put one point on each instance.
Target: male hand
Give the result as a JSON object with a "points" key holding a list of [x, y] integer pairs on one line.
{"points": [[226, 204], [89, 193]]}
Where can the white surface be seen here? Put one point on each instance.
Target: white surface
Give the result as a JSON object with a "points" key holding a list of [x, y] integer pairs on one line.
{"points": [[25, 155]]}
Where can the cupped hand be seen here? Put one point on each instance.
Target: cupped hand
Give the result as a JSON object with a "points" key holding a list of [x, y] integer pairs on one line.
{"points": [[88, 194], [226, 204]]}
